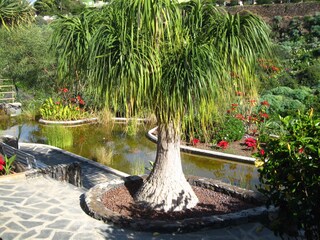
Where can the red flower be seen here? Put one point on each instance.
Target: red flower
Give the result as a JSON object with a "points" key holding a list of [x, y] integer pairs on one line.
{"points": [[58, 103], [78, 98], [81, 102], [240, 116], [2, 162], [228, 111], [251, 143], [65, 90], [275, 69], [264, 115], [265, 103], [301, 150], [73, 100], [252, 102], [262, 152], [234, 105], [195, 141], [223, 144], [238, 93]]}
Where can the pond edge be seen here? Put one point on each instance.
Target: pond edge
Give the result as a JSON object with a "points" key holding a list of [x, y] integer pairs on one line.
{"points": [[206, 153]]}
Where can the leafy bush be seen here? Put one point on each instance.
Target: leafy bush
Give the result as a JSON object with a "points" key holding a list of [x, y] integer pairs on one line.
{"points": [[264, 2], [286, 101], [290, 174], [64, 107], [232, 129], [310, 76], [53, 7], [25, 58]]}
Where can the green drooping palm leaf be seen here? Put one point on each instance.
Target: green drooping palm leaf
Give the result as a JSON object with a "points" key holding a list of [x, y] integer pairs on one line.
{"points": [[70, 41], [14, 13]]}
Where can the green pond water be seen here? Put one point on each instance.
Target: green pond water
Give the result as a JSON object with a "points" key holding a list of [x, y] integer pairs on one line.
{"points": [[130, 154]]}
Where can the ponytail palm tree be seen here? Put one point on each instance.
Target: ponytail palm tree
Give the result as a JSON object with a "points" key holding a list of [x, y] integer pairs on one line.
{"points": [[174, 60]]}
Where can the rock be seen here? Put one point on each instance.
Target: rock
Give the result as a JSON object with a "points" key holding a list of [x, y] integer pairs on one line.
{"points": [[10, 140], [12, 109]]}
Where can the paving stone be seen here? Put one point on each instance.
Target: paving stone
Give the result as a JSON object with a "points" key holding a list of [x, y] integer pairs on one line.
{"points": [[54, 201], [23, 215], [5, 186], [41, 205], [22, 194], [12, 199], [4, 220], [6, 193], [3, 209], [45, 234], [55, 210], [59, 224], [15, 226], [28, 234], [30, 224], [9, 235], [62, 235], [46, 217]]}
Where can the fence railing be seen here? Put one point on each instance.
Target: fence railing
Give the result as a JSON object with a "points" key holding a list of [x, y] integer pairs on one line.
{"points": [[7, 91]]}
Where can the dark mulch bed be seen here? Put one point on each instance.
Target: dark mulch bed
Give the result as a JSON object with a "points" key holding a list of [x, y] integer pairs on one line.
{"points": [[120, 200]]}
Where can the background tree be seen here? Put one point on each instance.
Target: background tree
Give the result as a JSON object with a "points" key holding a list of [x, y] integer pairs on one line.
{"points": [[57, 7], [174, 60]]}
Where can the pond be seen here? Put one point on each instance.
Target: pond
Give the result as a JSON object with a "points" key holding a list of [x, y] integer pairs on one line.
{"points": [[111, 146]]}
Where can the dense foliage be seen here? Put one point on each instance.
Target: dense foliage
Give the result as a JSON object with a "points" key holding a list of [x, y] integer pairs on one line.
{"points": [[58, 7], [25, 59], [14, 13], [290, 174]]}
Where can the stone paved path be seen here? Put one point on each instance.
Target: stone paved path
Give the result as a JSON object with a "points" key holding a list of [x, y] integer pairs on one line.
{"points": [[92, 172], [42, 208]]}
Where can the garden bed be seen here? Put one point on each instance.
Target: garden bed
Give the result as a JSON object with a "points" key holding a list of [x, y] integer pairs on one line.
{"points": [[220, 205]]}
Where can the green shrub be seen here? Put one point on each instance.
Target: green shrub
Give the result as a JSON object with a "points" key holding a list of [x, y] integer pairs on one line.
{"points": [[285, 79], [25, 58], [264, 2], [283, 105], [310, 76], [290, 175], [232, 129]]}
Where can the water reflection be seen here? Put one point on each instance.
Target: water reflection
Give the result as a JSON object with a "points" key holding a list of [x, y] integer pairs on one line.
{"points": [[131, 154]]}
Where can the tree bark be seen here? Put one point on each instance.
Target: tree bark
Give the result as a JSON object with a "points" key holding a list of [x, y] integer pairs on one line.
{"points": [[166, 188]]}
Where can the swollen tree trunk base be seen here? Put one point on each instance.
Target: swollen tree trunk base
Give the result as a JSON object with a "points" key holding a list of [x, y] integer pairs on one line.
{"points": [[166, 188], [170, 195]]}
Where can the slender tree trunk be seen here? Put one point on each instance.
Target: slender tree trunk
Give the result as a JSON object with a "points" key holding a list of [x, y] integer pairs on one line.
{"points": [[166, 188]]}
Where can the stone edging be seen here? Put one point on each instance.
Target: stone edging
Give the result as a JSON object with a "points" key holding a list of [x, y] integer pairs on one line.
{"points": [[71, 122], [80, 158], [207, 153], [93, 206]]}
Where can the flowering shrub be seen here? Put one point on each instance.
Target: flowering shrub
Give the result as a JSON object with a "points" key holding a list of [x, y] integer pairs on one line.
{"points": [[251, 143], [223, 144], [64, 107], [232, 129], [251, 114], [6, 164], [195, 141], [290, 174]]}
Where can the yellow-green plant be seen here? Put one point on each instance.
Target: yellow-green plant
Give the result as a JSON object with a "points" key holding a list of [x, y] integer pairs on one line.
{"points": [[59, 136], [63, 109], [6, 163], [102, 155]]}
